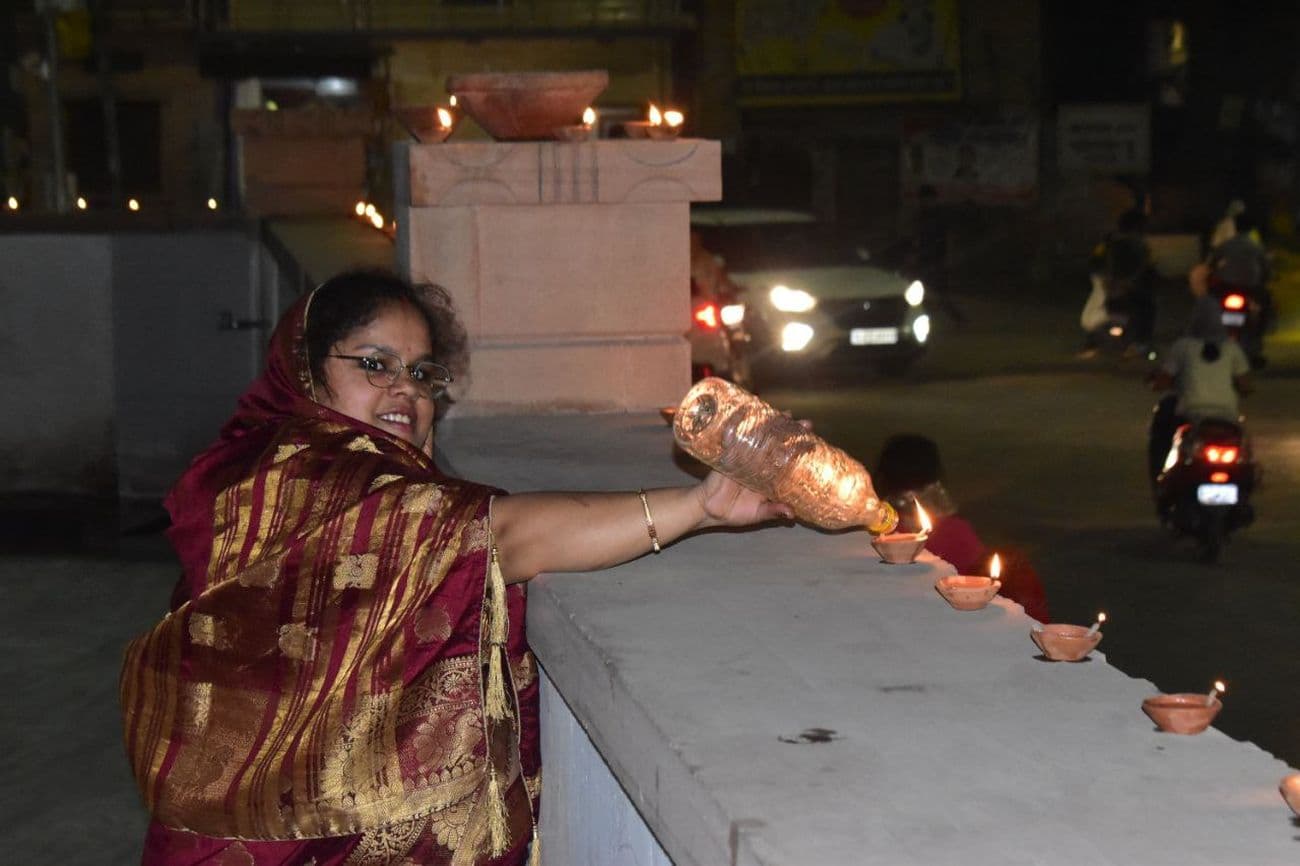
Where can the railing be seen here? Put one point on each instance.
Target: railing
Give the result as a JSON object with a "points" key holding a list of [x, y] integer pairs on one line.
{"points": [[467, 16]]}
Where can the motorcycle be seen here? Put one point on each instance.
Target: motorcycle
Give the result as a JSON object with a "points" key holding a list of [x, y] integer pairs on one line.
{"points": [[1204, 487], [1241, 310]]}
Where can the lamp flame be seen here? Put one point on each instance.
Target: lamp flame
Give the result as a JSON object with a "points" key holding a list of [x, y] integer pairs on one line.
{"points": [[452, 101], [674, 118], [1101, 617], [995, 567], [444, 118], [656, 118], [377, 220], [360, 209], [923, 519], [1219, 688], [589, 116]]}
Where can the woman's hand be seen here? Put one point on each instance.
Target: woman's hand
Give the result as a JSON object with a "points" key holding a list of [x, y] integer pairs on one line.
{"points": [[728, 503]]}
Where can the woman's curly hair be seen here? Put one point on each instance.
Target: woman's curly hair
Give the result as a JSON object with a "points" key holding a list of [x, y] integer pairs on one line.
{"points": [[354, 298]]}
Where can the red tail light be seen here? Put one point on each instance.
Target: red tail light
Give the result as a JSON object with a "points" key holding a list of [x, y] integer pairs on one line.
{"points": [[706, 316], [1234, 302], [1221, 453]]}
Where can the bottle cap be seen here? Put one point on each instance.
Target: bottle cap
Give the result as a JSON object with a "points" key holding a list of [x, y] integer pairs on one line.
{"points": [[887, 522]]}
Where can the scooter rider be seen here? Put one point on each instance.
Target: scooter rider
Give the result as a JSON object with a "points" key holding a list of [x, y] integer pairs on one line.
{"points": [[1123, 263], [1241, 264], [1207, 373]]}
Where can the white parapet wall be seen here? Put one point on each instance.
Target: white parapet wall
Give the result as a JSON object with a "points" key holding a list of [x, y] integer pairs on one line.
{"points": [[569, 264]]}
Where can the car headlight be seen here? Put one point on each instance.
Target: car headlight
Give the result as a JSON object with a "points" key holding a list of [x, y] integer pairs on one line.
{"points": [[921, 328], [795, 336], [915, 294], [789, 300], [732, 314]]}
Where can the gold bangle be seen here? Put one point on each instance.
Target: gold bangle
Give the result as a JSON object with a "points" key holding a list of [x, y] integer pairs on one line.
{"points": [[649, 522]]}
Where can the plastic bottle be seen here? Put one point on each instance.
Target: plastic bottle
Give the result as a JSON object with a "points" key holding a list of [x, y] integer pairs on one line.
{"points": [[743, 437]]}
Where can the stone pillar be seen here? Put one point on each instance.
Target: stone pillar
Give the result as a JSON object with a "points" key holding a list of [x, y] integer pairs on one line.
{"points": [[569, 263]]}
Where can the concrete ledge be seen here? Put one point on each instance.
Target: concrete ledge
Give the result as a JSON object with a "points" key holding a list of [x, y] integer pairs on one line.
{"points": [[706, 677]]}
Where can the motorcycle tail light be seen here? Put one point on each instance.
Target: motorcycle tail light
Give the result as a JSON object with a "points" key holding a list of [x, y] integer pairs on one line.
{"points": [[1219, 477], [706, 316], [1234, 302], [1221, 453]]}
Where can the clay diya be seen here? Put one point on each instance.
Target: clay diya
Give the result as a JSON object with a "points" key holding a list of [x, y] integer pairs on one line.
{"points": [[428, 124], [1290, 788], [966, 592], [1181, 713], [578, 131], [658, 125], [901, 548], [636, 128], [1184, 713], [1065, 643]]}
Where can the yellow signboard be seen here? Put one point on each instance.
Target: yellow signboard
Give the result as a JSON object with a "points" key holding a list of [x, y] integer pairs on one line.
{"points": [[801, 52]]}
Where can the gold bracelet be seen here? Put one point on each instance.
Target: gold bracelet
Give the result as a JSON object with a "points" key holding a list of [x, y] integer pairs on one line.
{"points": [[649, 522]]}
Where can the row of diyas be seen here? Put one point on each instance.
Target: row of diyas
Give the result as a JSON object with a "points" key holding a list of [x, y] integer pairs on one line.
{"points": [[1179, 713], [431, 125]]}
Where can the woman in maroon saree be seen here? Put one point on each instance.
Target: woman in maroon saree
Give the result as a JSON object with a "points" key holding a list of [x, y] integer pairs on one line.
{"points": [[343, 677]]}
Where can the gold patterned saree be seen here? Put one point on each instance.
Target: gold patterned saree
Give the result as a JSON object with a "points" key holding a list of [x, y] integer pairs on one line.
{"points": [[343, 677]]}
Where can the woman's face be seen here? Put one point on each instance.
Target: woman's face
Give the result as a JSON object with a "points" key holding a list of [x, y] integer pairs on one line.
{"points": [[401, 408]]}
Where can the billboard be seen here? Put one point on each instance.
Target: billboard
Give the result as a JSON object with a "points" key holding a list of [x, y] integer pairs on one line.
{"points": [[1103, 139], [986, 163], [822, 52]]}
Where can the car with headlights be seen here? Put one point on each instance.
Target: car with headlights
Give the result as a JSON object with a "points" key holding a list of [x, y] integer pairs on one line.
{"points": [[814, 297]]}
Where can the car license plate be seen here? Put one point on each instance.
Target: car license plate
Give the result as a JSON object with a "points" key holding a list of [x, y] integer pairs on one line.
{"points": [[873, 336], [1234, 320], [1216, 494]]}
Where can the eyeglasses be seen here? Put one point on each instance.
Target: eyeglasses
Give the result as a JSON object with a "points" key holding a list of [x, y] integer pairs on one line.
{"points": [[383, 368]]}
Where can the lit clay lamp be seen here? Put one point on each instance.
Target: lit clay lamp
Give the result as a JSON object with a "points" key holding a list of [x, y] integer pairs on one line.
{"points": [[966, 592], [900, 548], [1290, 789], [427, 125], [1067, 643], [659, 125], [579, 131], [1184, 713]]}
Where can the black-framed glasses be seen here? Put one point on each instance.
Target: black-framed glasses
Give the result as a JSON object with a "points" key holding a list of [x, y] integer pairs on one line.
{"points": [[382, 369]]}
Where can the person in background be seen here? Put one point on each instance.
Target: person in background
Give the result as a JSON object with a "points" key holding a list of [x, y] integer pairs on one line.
{"points": [[1123, 262], [909, 471], [1226, 227], [1242, 264], [1206, 373]]}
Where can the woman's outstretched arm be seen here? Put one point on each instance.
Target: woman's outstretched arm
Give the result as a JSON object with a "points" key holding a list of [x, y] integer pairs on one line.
{"points": [[537, 532]]}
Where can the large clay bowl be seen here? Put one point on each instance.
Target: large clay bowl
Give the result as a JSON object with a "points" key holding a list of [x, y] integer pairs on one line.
{"points": [[898, 548], [967, 593], [1290, 788], [1181, 713], [1065, 643], [526, 106]]}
